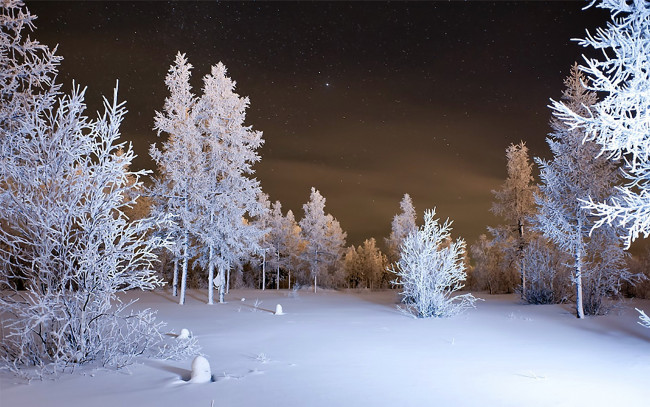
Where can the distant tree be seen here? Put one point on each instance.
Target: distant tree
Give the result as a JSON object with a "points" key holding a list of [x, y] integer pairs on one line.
{"points": [[493, 270], [515, 202], [352, 267], [323, 236], [430, 269], [263, 222], [402, 225], [577, 173], [294, 245], [335, 250], [372, 262]]}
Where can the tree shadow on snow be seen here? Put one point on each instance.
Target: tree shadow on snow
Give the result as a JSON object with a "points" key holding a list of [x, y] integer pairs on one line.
{"points": [[183, 374], [617, 327], [380, 297], [257, 308], [166, 295]]}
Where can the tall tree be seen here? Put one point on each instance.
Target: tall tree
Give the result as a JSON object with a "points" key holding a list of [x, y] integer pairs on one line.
{"points": [[229, 193], [402, 225], [576, 173], [515, 201], [179, 161]]}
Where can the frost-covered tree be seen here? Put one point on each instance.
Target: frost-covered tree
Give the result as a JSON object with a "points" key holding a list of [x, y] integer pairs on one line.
{"points": [[402, 225], [515, 202], [28, 70], [263, 222], [68, 247], [364, 265], [179, 161], [229, 195], [430, 269], [294, 245], [283, 239], [620, 121], [335, 244], [323, 236], [493, 263], [548, 275], [352, 267], [205, 172], [577, 173]]}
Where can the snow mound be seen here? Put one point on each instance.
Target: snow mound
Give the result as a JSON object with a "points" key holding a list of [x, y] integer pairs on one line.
{"points": [[278, 310], [185, 334], [200, 370]]}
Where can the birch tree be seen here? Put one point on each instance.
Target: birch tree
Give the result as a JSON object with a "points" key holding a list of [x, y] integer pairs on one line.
{"points": [[179, 160], [576, 173]]}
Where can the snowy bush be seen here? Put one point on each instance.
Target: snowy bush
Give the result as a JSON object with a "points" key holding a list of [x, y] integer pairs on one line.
{"points": [[68, 247], [430, 269], [548, 277]]}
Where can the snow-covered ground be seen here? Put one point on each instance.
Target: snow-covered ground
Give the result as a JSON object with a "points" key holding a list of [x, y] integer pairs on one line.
{"points": [[355, 348]]}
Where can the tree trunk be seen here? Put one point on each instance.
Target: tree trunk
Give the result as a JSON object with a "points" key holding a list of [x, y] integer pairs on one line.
{"points": [[222, 286], [315, 283], [263, 270], [210, 275], [277, 276], [522, 264], [228, 281], [186, 239], [580, 313], [175, 278]]}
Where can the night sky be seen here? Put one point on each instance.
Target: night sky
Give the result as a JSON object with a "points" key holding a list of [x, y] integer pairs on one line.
{"points": [[364, 101]]}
